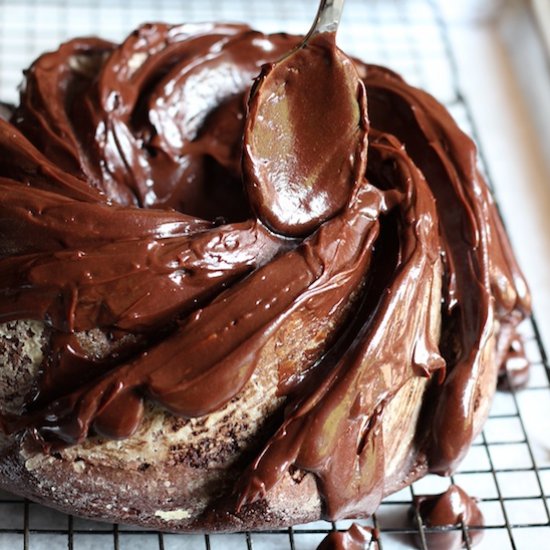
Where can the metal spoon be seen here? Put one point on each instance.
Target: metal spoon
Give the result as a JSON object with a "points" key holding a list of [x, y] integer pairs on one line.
{"points": [[327, 18], [305, 137]]}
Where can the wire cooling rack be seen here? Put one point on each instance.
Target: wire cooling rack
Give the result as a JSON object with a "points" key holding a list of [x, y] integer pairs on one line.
{"points": [[508, 467]]}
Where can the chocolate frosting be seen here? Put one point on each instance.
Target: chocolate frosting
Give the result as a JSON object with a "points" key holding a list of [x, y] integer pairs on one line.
{"points": [[515, 367], [124, 207], [355, 538], [451, 508], [311, 101]]}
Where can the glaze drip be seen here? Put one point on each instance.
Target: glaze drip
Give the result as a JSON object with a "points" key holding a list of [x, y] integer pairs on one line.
{"points": [[453, 508], [355, 538]]}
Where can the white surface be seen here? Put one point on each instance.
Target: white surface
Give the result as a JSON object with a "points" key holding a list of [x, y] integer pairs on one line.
{"points": [[542, 14], [378, 32]]}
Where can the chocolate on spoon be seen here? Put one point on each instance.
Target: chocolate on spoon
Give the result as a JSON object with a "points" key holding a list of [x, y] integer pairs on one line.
{"points": [[305, 140]]}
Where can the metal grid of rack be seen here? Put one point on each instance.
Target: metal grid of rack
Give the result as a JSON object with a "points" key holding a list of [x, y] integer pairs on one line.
{"points": [[508, 467]]}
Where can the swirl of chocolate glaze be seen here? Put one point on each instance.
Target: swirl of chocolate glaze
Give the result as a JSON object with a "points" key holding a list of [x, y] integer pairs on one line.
{"points": [[122, 207]]}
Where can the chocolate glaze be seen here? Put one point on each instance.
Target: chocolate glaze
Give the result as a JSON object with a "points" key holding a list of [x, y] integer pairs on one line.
{"points": [[355, 538], [311, 101], [514, 369], [122, 206], [451, 508]]}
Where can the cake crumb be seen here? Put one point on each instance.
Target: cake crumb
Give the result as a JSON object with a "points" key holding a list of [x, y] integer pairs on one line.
{"points": [[173, 515]]}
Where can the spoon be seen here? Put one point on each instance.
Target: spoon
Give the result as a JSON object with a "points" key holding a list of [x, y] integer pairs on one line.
{"points": [[305, 138], [327, 19]]}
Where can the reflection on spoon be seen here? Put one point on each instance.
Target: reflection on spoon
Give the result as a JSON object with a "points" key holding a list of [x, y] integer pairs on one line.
{"points": [[305, 139]]}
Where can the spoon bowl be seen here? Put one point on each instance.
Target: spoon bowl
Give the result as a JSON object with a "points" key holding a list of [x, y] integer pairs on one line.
{"points": [[305, 138]]}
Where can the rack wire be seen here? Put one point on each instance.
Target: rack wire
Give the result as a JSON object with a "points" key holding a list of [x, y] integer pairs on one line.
{"points": [[507, 468]]}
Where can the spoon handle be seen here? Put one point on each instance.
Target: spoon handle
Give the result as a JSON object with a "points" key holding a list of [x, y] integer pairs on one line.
{"points": [[327, 18]]}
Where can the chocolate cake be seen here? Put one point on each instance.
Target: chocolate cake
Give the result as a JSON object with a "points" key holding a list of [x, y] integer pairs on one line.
{"points": [[169, 360]]}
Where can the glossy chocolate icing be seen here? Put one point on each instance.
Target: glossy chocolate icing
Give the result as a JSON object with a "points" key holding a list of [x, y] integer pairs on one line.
{"points": [[451, 508], [355, 538], [293, 108], [123, 207], [515, 367]]}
